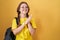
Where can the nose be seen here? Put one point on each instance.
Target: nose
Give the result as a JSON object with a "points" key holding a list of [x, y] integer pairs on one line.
{"points": [[25, 8]]}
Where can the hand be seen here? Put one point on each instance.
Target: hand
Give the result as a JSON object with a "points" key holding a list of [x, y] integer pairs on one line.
{"points": [[28, 19]]}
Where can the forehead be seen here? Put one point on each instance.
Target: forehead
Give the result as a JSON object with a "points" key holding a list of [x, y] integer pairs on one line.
{"points": [[23, 4]]}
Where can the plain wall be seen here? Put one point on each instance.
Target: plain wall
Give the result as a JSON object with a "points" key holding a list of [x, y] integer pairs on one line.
{"points": [[45, 12]]}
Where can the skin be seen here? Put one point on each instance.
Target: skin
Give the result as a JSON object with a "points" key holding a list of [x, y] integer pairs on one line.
{"points": [[24, 10]]}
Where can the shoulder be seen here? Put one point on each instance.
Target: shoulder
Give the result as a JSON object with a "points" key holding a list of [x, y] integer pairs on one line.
{"points": [[14, 19]]}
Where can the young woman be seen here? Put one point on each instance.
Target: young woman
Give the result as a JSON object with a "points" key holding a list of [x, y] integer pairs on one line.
{"points": [[26, 25]]}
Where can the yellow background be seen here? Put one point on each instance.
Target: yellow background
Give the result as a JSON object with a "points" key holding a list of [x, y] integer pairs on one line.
{"points": [[45, 12]]}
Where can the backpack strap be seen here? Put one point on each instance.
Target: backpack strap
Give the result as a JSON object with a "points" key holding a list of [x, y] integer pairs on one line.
{"points": [[16, 20]]}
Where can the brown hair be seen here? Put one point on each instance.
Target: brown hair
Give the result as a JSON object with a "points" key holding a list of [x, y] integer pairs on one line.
{"points": [[18, 8]]}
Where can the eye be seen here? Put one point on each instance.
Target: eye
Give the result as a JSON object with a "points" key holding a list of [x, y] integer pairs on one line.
{"points": [[22, 7], [26, 7]]}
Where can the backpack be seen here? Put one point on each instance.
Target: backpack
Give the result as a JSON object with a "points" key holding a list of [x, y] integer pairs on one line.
{"points": [[9, 34]]}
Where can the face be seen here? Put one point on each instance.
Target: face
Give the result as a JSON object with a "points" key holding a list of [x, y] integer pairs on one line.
{"points": [[23, 8]]}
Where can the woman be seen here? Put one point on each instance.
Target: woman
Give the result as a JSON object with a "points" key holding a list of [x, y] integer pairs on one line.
{"points": [[26, 25]]}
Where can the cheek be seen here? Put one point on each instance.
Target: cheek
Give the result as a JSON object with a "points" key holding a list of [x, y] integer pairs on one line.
{"points": [[27, 10], [21, 9]]}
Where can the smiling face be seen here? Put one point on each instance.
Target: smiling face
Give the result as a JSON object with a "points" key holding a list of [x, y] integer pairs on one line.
{"points": [[23, 8]]}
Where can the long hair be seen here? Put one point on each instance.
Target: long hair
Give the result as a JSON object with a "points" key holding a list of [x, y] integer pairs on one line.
{"points": [[18, 11]]}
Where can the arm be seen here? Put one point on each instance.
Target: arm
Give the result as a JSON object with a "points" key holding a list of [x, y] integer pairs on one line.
{"points": [[31, 29], [17, 30]]}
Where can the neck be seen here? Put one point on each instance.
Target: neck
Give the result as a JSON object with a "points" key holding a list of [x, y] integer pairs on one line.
{"points": [[22, 15]]}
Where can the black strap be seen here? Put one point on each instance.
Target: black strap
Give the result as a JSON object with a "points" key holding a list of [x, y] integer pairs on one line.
{"points": [[16, 20]]}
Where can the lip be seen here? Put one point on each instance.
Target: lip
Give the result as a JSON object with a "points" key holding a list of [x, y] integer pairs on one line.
{"points": [[24, 9]]}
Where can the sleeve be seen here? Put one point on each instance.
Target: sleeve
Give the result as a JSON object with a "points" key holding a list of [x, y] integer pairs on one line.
{"points": [[33, 23], [14, 25]]}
